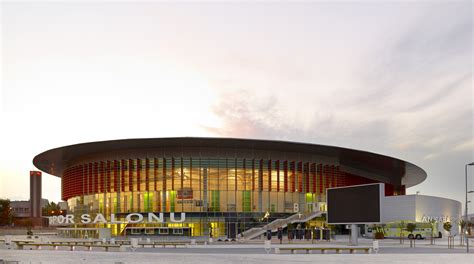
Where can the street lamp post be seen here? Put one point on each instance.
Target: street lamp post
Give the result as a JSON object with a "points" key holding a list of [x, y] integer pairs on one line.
{"points": [[465, 211]]}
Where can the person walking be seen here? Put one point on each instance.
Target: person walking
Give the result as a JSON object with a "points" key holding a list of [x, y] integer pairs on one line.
{"points": [[269, 234], [280, 234]]}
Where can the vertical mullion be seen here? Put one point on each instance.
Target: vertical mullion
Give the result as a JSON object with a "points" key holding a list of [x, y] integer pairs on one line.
{"points": [[147, 175], [138, 169], [253, 174], [172, 174], [269, 175]]}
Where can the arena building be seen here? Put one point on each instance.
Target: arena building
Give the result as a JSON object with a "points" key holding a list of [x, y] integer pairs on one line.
{"points": [[223, 186]]}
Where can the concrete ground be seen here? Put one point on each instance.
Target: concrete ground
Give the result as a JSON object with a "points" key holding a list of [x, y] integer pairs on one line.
{"points": [[391, 251], [47, 256]]}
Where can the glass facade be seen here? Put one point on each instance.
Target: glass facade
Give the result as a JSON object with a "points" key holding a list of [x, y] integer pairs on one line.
{"points": [[199, 185], [220, 196]]}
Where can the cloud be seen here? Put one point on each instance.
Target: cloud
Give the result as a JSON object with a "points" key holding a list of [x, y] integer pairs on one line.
{"points": [[467, 145], [409, 96], [430, 156], [409, 92]]}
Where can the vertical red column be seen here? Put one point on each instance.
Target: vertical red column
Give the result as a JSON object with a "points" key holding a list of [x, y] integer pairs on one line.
{"points": [[292, 176], [138, 169], [74, 187], [77, 174], [96, 177], [330, 176], [80, 174], [269, 175], [122, 175], [320, 175], [102, 177], [116, 176], [253, 174], [84, 179], [326, 176], [313, 175], [285, 176], [164, 175], [82, 171], [244, 177], [334, 178], [155, 173], [64, 183], [182, 175], [278, 174], [260, 175], [235, 175], [107, 176], [147, 174], [172, 174], [389, 189], [90, 176], [300, 177], [306, 172], [340, 178], [191, 172], [130, 175]]}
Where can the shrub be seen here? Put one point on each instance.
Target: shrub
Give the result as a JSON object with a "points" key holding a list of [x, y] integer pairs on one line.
{"points": [[379, 235]]}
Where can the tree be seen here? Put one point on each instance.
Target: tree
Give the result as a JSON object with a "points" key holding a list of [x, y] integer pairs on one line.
{"points": [[410, 228], [401, 227], [51, 209], [6, 213], [462, 224], [433, 224], [447, 226]]}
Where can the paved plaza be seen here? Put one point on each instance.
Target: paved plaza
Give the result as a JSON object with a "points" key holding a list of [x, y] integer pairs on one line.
{"points": [[46, 256], [391, 251]]}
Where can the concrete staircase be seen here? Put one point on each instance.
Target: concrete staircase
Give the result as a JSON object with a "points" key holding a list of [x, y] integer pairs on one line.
{"points": [[296, 218]]}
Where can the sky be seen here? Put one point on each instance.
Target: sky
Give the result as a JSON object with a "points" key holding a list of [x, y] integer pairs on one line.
{"points": [[393, 78]]}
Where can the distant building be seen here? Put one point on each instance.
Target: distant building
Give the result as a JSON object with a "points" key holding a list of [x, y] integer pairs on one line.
{"points": [[22, 209], [423, 209]]}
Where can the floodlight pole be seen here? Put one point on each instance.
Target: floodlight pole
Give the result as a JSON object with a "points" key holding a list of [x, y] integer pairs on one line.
{"points": [[465, 212], [354, 234]]}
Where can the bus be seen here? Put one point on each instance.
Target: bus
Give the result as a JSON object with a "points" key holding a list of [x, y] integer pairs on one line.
{"points": [[392, 230]]}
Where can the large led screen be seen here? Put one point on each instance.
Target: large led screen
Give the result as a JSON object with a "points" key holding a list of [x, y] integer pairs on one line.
{"points": [[355, 204]]}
